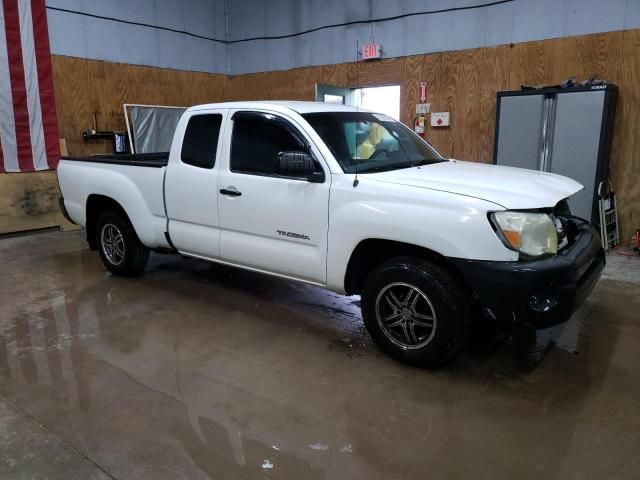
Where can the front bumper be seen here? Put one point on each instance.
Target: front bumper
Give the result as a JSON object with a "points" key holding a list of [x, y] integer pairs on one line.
{"points": [[542, 292]]}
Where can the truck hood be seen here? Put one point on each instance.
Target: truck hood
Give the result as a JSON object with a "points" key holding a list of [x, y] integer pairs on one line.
{"points": [[509, 187]]}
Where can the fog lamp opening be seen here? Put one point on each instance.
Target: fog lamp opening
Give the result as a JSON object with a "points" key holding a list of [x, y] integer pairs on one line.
{"points": [[543, 303]]}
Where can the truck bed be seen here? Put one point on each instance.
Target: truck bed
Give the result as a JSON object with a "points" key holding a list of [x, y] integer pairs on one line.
{"points": [[152, 160], [134, 181]]}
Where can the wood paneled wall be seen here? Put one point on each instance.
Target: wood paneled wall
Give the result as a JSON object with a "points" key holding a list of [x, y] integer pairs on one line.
{"points": [[464, 83], [87, 87]]}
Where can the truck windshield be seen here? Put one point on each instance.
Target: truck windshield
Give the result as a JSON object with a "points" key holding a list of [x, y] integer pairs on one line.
{"points": [[370, 142]]}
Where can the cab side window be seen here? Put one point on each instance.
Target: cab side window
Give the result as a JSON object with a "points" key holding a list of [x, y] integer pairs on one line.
{"points": [[201, 140], [257, 141]]}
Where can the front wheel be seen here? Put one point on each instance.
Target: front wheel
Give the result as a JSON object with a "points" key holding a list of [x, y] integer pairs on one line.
{"points": [[416, 311], [119, 246]]}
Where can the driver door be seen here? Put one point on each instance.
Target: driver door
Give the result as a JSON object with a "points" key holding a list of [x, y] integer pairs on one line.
{"points": [[270, 222]]}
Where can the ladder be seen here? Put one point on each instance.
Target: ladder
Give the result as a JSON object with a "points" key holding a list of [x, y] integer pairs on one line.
{"points": [[608, 215]]}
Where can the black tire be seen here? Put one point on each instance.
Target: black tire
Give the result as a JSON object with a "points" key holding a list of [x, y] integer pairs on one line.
{"points": [[132, 256], [434, 290]]}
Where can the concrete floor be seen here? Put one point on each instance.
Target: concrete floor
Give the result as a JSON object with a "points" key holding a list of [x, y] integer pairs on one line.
{"points": [[198, 371]]}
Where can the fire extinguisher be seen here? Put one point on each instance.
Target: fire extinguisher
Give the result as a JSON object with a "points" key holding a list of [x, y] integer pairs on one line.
{"points": [[418, 125], [635, 241]]}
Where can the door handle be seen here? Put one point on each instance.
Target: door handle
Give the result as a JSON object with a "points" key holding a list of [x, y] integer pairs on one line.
{"points": [[230, 191]]}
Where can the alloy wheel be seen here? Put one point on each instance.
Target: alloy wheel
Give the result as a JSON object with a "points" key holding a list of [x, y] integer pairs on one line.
{"points": [[406, 315], [112, 244]]}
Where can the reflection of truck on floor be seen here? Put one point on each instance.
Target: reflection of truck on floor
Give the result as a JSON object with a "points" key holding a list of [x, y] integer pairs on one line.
{"points": [[355, 202]]}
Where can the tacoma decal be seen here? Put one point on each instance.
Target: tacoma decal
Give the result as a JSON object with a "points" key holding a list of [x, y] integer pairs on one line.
{"points": [[301, 236]]}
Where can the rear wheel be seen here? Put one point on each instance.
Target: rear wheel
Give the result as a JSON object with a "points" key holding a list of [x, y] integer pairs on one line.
{"points": [[119, 246], [416, 311]]}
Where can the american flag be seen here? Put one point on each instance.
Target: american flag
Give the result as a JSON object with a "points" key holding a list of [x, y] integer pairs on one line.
{"points": [[28, 126]]}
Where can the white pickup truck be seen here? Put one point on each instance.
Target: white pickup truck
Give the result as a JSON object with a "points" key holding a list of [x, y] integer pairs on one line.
{"points": [[352, 201]]}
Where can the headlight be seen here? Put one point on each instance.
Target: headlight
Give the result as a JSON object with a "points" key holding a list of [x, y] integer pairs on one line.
{"points": [[533, 234]]}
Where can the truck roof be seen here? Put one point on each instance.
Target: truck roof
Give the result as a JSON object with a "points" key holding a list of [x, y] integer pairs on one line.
{"points": [[282, 105]]}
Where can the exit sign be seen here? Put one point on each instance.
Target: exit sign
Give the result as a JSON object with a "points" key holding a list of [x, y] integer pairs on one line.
{"points": [[371, 51]]}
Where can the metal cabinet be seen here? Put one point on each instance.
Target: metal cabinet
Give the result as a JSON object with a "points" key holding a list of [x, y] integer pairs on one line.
{"points": [[567, 131]]}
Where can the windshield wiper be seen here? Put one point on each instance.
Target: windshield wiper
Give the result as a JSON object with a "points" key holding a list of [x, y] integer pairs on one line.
{"points": [[424, 161], [398, 166], [386, 168]]}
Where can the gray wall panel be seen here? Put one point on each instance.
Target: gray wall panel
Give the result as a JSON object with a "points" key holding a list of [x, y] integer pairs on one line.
{"points": [[393, 34], [386, 8], [588, 16], [632, 14], [322, 47], [66, 34], [412, 6], [468, 29], [355, 10], [140, 44], [236, 31], [171, 50], [103, 39], [255, 54], [70, 4], [237, 52], [308, 14], [206, 17], [143, 11], [171, 14], [416, 35], [427, 34], [254, 18], [279, 17], [518, 21], [280, 54], [108, 8], [539, 19], [499, 28], [206, 56]]}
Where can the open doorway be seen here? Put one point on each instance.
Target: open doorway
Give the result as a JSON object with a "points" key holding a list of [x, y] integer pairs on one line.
{"points": [[380, 99], [385, 99]]}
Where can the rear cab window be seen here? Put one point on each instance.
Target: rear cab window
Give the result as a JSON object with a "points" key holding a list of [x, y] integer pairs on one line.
{"points": [[200, 142]]}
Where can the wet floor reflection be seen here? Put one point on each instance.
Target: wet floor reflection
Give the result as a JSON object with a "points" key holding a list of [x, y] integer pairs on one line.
{"points": [[205, 371]]}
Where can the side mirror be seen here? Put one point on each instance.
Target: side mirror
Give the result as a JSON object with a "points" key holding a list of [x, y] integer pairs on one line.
{"points": [[299, 164]]}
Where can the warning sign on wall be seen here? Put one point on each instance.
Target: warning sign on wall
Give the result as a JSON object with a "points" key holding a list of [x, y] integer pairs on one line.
{"points": [[440, 119]]}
